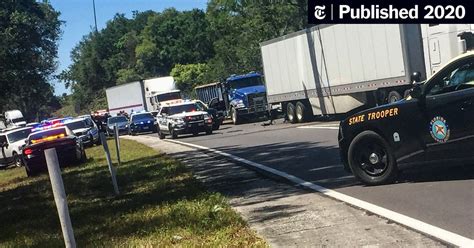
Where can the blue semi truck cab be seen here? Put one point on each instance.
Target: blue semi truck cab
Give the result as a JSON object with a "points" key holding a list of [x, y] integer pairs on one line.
{"points": [[238, 97]]}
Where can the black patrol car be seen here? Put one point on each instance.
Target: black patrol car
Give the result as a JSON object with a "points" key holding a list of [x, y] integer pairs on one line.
{"points": [[434, 124]]}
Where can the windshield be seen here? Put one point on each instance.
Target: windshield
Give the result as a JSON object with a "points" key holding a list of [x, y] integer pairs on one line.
{"points": [[118, 119], [76, 125], [245, 82], [18, 120], [39, 136], [18, 135], [168, 96], [184, 108], [145, 116]]}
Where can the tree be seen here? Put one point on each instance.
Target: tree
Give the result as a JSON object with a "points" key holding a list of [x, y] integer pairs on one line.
{"points": [[29, 32], [189, 76], [240, 26]]}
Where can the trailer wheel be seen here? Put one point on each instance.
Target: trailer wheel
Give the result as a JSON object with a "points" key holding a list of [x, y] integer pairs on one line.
{"points": [[290, 112], [301, 112], [393, 96]]}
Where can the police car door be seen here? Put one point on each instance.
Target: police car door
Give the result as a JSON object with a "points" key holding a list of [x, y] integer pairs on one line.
{"points": [[163, 118], [449, 112]]}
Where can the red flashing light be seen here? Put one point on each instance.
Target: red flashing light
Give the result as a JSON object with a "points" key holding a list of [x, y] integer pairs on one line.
{"points": [[28, 151]]}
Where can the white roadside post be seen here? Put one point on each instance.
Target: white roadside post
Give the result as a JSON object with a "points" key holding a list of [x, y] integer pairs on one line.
{"points": [[112, 170], [60, 197], [117, 143]]}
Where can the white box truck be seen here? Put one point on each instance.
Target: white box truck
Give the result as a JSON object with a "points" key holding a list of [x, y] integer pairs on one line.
{"points": [[141, 95], [333, 69]]}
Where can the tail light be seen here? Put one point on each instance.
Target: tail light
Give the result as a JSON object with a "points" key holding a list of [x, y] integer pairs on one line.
{"points": [[27, 151]]}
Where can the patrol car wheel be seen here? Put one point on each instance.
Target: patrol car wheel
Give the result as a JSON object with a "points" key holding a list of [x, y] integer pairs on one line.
{"points": [[17, 160], [161, 135], [290, 112], [209, 131], [394, 96], [371, 159], [174, 134]]}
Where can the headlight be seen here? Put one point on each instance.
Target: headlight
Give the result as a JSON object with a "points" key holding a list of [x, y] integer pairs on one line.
{"points": [[207, 116], [239, 103], [179, 120], [126, 126], [148, 122]]}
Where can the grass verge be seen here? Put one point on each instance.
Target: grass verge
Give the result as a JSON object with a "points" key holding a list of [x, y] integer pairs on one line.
{"points": [[161, 204]]}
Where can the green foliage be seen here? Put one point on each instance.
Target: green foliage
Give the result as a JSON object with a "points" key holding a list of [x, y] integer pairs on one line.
{"points": [[29, 32], [189, 76], [194, 46]]}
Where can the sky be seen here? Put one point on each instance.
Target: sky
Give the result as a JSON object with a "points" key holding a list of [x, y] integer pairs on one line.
{"points": [[78, 16]]}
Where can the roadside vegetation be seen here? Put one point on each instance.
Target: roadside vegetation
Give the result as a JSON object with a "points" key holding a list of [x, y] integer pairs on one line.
{"points": [[161, 204]]}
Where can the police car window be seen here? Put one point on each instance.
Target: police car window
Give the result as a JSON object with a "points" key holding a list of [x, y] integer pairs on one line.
{"points": [[18, 135], [460, 78]]}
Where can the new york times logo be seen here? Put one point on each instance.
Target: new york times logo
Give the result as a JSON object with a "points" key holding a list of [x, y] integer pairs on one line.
{"points": [[389, 11], [319, 12]]}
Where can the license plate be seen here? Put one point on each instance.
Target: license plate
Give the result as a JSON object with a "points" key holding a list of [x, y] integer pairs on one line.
{"points": [[145, 128], [201, 124]]}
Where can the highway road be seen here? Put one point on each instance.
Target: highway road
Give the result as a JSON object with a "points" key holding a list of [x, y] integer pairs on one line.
{"points": [[440, 195]]}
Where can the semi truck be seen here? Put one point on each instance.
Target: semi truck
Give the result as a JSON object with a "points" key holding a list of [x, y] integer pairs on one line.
{"points": [[141, 95], [239, 96], [337, 69]]}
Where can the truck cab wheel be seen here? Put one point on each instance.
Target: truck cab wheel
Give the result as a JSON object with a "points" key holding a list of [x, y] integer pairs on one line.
{"points": [[371, 159], [301, 112], [235, 116], [291, 113]]}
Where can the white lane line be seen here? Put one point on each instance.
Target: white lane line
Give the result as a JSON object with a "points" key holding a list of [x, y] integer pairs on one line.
{"points": [[420, 226], [319, 127], [326, 167]]}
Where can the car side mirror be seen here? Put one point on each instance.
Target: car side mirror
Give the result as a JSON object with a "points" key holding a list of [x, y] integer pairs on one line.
{"points": [[416, 92], [415, 77]]}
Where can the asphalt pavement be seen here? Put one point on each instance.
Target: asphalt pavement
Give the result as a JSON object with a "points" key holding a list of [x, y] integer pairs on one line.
{"points": [[440, 195]]}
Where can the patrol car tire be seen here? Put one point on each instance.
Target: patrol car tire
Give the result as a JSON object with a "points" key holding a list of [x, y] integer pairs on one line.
{"points": [[173, 133], [17, 160], [301, 112], [161, 135], [209, 131], [393, 96], [30, 173], [361, 144], [290, 112]]}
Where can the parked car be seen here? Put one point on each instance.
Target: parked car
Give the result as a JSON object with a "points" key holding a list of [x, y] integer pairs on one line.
{"points": [[183, 118], [11, 143], [141, 123], [69, 148], [120, 121], [85, 129]]}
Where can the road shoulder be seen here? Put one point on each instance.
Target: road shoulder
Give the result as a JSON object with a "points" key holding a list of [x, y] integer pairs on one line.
{"points": [[289, 216]]}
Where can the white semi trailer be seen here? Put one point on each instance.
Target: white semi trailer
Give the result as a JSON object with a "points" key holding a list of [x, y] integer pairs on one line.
{"points": [[333, 69], [141, 95]]}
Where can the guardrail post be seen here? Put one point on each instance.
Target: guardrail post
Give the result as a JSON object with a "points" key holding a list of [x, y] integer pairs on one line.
{"points": [[117, 143], [60, 197], [112, 170]]}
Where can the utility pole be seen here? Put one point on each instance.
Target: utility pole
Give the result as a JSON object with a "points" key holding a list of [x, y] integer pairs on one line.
{"points": [[95, 18]]}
